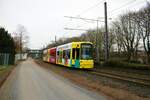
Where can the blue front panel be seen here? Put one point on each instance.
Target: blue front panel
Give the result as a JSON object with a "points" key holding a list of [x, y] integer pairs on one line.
{"points": [[77, 64]]}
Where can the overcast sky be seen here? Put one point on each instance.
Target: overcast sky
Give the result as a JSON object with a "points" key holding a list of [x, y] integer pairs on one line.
{"points": [[44, 19]]}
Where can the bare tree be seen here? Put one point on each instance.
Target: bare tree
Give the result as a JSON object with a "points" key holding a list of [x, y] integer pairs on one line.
{"points": [[111, 40], [127, 34], [21, 38], [144, 22], [116, 29]]}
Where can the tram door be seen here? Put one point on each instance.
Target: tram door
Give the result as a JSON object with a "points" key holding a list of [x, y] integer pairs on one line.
{"points": [[75, 57]]}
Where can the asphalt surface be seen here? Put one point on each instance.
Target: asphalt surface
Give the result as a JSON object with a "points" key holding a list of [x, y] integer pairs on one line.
{"points": [[29, 81]]}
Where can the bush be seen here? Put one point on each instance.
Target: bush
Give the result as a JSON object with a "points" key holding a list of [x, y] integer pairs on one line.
{"points": [[121, 64]]}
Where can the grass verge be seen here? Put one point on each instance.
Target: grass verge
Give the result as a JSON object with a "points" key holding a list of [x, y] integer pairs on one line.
{"points": [[4, 73]]}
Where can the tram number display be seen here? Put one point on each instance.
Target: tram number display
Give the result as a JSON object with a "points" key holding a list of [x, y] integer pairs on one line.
{"points": [[86, 46]]}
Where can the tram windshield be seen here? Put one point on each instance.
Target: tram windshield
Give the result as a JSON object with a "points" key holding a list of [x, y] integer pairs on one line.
{"points": [[86, 51]]}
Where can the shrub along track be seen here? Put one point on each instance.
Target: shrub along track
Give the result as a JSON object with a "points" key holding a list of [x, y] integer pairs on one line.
{"points": [[115, 88]]}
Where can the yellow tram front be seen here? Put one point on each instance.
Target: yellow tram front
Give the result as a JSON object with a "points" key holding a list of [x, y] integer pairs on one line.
{"points": [[82, 55]]}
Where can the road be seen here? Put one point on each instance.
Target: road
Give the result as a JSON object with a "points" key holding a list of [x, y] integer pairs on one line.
{"points": [[29, 81]]}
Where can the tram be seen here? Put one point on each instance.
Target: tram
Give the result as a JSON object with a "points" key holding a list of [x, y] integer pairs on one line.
{"points": [[74, 54]]}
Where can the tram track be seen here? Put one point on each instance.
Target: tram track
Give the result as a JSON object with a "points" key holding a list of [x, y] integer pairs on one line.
{"points": [[127, 78], [122, 77]]}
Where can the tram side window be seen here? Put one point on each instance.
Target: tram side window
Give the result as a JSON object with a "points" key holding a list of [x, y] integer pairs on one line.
{"points": [[64, 53], [77, 53], [68, 53], [60, 54], [57, 52], [73, 53]]}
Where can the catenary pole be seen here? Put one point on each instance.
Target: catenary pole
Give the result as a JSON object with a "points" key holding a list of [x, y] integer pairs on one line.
{"points": [[106, 34]]}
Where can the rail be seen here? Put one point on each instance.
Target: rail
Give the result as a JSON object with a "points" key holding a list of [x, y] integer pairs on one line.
{"points": [[136, 80]]}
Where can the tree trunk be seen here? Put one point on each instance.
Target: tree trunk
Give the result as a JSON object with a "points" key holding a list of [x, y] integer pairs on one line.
{"points": [[148, 58]]}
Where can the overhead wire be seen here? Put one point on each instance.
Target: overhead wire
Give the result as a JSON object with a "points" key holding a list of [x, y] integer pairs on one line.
{"points": [[112, 14], [88, 9], [122, 6]]}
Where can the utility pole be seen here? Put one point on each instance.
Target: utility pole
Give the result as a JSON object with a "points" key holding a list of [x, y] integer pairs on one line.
{"points": [[55, 40], [21, 46], [97, 46], [106, 34]]}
